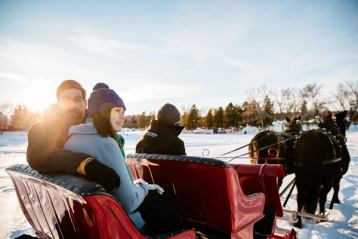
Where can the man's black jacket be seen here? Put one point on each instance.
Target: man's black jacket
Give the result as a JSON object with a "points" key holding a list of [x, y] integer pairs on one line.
{"points": [[45, 141], [161, 138]]}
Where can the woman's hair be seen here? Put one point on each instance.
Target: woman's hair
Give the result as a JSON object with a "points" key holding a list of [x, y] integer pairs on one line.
{"points": [[102, 123]]}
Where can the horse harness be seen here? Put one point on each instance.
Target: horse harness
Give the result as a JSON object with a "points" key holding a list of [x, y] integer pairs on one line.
{"points": [[272, 151], [333, 141]]}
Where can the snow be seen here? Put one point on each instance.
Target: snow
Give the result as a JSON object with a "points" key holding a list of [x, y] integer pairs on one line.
{"points": [[343, 219]]}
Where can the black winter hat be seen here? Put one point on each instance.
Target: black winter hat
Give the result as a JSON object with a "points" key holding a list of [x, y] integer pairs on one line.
{"points": [[100, 85], [168, 114]]}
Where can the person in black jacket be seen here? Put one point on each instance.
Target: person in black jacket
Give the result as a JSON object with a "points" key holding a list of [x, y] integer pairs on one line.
{"points": [[162, 135], [46, 138]]}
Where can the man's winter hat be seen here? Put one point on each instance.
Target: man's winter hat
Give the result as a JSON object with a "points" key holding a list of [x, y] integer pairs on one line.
{"points": [[103, 98], [70, 84], [168, 114]]}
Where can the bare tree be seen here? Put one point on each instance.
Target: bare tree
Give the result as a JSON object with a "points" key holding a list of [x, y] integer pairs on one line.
{"points": [[278, 100], [258, 94], [311, 93], [349, 93], [290, 100], [256, 98], [252, 113], [353, 88], [342, 96]]}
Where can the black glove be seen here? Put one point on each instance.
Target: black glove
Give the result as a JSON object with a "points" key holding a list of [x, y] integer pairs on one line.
{"points": [[102, 174]]}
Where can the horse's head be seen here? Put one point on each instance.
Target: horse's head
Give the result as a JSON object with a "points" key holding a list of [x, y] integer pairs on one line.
{"points": [[328, 122], [336, 124], [293, 125], [341, 121]]}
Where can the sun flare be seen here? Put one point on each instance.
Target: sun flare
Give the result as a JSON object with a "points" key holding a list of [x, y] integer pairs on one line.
{"points": [[38, 98]]}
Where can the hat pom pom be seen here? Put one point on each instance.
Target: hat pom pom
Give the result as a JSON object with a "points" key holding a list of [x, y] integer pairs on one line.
{"points": [[100, 86]]}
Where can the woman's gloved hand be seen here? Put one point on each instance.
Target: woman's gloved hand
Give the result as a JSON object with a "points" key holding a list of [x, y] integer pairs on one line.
{"points": [[151, 187], [156, 187], [140, 181]]}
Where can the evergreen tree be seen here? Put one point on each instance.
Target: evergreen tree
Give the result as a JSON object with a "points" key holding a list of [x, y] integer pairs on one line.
{"points": [[142, 121], [231, 116], [184, 118], [239, 112], [4, 122], [193, 118], [131, 122], [251, 114], [219, 118], [209, 120], [268, 112]]}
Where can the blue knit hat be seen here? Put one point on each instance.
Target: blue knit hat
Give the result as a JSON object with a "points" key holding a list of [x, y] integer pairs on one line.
{"points": [[103, 98]]}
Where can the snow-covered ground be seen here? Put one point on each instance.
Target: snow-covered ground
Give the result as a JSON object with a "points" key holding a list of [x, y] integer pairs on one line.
{"points": [[343, 220]]}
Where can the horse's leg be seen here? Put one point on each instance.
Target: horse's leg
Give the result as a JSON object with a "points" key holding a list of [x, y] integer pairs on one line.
{"points": [[335, 197], [300, 198], [335, 184], [311, 200], [300, 201], [313, 187], [323, 196]]}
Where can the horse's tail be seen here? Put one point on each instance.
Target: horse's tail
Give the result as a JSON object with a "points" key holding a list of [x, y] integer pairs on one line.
{"points": [[346, 158]]}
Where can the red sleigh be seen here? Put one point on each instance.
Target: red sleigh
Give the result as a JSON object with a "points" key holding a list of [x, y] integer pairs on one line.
{"points": [[227, 201]]}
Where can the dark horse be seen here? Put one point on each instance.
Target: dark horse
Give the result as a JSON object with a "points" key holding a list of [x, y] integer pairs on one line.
{"points": [[342, 124], [275, 147], [320, 159], [338, 128]]}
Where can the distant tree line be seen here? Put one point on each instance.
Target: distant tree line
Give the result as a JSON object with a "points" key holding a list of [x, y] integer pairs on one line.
{"points": [[20, 119], [265, 106], [261, 108], [139, 121]]}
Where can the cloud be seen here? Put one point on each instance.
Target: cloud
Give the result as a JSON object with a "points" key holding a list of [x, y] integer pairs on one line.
{"points": [[152, 94], [237, 63], [13, 77], [31, 60], [207, 55], [91, 41], [155, 90]]}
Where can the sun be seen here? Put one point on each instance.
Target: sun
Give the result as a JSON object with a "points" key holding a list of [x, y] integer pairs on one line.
{"points": [[37, 99], [38, 106]]}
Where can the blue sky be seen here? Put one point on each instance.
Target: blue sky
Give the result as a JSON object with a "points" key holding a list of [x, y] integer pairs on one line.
{"points": [[184, 52]]}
